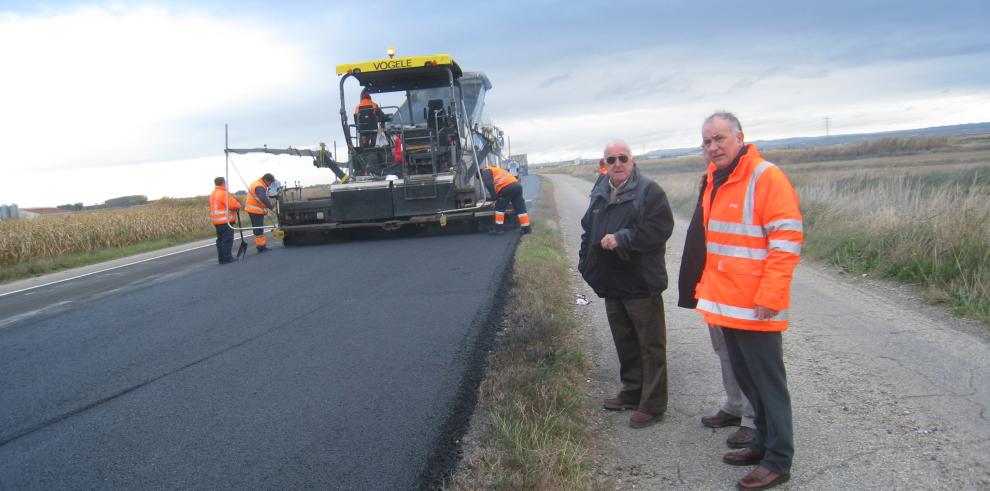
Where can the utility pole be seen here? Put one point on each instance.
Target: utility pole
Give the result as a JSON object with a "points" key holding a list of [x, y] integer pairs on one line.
{"points": [[827, 120]]}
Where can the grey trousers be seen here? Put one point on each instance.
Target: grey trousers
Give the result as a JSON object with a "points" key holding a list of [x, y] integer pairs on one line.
{"points": [[640, 336], [757, 360], [736, 403]]}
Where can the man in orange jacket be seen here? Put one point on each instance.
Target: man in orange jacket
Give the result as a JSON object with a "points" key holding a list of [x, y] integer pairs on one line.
{"points": [[223, 207], [505, 188], [257, 205], [753, 236]]}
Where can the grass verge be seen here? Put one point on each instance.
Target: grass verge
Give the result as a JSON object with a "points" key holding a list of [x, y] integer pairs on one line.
{"points": [[75, 260], [535, 432]]}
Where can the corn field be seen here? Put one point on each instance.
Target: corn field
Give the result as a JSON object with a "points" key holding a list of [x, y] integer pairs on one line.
{"points": [[88, 231]]}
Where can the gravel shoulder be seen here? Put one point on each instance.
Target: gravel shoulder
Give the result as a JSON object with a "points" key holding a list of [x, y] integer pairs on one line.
{"points": [[887, 392]]}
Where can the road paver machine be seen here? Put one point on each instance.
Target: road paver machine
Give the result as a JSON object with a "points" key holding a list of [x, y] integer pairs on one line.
{"points": [[415, 164]]}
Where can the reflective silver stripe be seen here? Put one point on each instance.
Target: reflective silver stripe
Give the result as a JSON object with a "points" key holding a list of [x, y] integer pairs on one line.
{"points": [[221, 212], [787, 224], [751, 191], [786, 246], [735, 312], [735, 228], [737, 251]]}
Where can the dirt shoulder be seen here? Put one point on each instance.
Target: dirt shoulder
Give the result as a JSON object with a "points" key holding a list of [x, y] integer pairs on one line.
{"points": [[886, 392]]}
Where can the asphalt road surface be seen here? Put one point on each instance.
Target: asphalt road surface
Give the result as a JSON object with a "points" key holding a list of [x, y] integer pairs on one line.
{"points": [[887, 393], [347, 366]]}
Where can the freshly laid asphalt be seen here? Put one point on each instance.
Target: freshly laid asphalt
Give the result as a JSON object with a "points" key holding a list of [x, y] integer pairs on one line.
{"points": [[348, 365]]}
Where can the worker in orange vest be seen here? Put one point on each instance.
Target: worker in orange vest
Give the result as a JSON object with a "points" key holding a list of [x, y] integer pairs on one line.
{"points": [[501, 184], [365, 101], [602, 169], [223, 207], [257, 205], [753, 237], [379, 117]]}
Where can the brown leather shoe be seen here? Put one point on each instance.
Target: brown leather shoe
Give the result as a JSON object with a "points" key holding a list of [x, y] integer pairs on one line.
{"points": [[762, 478], [721, 419], [639, 419], [740, 438], [618, 404], [743, 456]]}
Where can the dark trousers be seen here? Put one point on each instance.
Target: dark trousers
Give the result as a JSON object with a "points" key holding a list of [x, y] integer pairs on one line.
{"points": [[225, 240], [640, 336], [512, 193], [758, 363]]}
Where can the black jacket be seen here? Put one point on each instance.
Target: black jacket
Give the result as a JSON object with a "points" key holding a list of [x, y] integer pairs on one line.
{"points": [[642, 222], [693, 259]]}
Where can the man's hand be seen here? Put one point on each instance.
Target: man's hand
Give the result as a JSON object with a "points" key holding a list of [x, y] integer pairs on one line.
{"points": [[609, 243], [764, 313]]}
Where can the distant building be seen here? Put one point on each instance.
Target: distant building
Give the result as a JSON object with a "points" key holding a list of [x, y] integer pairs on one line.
{"points": [[8, 211], [32, 213]]}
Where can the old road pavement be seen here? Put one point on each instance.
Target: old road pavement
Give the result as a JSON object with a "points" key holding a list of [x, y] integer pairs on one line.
{"points": [[345, 366], [887, 393]]}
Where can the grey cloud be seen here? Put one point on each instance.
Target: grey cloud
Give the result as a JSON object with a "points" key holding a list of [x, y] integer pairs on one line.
{"points": [[547, 83]]}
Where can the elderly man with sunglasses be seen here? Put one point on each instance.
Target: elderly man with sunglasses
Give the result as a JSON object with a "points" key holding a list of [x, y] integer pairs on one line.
{"points": [[626, 229]]}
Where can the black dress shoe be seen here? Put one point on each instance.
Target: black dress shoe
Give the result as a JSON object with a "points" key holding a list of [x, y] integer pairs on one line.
{"points": [[762, 478], [743, 456], [721, 419]]}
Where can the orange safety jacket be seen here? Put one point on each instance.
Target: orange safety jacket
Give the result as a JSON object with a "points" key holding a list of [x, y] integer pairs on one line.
{"points": [[222, 206], [753, 234], [365, 102], [252, 204], [501, 178]]}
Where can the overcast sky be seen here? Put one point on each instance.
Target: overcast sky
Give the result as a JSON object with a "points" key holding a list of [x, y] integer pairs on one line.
{"points": [[104, 99]]}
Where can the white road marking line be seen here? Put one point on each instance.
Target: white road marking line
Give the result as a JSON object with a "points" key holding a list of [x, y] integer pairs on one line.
{"points": [[105, 270]]}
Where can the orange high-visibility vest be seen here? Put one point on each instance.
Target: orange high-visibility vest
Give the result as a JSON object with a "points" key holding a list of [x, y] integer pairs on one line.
{"points": [[222, 206], [753, 233], [252, 204], [365, 102], [501, 178]]}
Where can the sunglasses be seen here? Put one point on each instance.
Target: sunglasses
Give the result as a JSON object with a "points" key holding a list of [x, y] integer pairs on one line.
{"points": [[621, 158]]}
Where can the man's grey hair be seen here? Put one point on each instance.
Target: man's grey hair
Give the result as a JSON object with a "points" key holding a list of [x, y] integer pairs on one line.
{"points": [[726, 115], [618, 143]]}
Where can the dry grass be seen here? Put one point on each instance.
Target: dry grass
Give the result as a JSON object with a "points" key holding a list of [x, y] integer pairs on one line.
{"points": [[536, 432], [920, 217], [47, 237], [912, 228]]}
